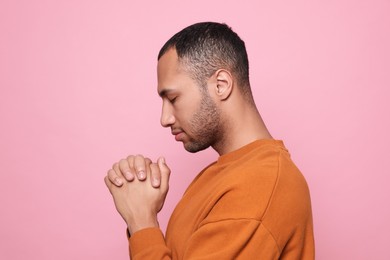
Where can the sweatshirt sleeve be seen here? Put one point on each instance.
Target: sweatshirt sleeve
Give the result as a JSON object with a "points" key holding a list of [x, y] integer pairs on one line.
{"points": [[232, 239], [148, 244], [225, 239]]}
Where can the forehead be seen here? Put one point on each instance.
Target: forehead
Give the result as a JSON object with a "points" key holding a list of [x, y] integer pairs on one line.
{"points": [[168, 65], [168, 59], [170, 75]]}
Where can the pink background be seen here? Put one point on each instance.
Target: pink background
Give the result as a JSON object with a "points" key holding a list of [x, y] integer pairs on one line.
{"points": [[78, 92]]}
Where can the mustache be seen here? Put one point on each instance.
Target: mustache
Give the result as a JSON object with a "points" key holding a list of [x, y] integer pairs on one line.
{"points": [[176, 131]]}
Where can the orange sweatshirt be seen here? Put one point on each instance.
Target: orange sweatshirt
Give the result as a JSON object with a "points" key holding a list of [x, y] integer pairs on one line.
{"points": [[252, 203]]}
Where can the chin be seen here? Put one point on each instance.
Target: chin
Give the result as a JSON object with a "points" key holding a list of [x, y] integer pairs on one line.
{"points": [[195, 147]]}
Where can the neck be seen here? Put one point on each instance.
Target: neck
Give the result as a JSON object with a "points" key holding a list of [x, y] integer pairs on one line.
{"points": [[242, 125]]}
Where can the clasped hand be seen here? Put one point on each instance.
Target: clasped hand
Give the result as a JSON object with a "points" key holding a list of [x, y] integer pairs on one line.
{"points": [[139, 188]]}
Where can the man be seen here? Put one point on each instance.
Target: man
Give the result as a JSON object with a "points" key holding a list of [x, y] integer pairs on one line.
{"points": [[252, 203]]}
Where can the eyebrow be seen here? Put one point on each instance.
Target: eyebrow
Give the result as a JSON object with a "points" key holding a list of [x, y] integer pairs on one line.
{"points": [[164, 92]]}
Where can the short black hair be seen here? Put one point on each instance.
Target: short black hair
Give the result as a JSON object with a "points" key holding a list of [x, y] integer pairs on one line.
{"points": [[208, 46]]}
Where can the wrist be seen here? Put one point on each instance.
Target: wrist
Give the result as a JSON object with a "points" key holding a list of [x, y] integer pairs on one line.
{"points": [[141, 223]]}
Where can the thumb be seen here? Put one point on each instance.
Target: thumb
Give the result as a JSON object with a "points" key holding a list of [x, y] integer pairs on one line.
{"points": [[164, 170], [161, 163]]}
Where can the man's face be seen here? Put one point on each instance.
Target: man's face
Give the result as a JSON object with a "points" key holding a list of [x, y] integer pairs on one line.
{"points": [[189, 111]]}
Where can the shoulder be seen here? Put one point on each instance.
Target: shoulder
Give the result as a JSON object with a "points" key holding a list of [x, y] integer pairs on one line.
{"points": [[248, 186]]}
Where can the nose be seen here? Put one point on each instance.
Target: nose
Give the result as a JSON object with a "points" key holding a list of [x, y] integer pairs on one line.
{"points": [[167, 118]]}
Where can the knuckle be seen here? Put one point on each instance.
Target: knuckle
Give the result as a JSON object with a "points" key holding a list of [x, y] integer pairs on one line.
{"points": [[147, 160], [154, 167], [111, 175], [139, 160], [140, 168], [166, 171], [123, 163], [139, 156]]}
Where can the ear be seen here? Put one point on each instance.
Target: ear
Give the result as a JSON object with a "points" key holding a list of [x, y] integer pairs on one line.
{"points": [[224, 84]]}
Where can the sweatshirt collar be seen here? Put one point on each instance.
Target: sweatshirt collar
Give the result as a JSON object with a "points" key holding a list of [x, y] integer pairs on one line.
{"points": [[237, 154]]}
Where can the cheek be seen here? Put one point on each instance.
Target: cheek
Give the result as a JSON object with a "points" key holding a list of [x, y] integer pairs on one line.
{"points": [[183, 117], [186, 108], [186, 113]]}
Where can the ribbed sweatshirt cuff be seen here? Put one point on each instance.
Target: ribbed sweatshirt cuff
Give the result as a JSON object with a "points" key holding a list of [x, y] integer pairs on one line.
{"points": [[145, 238]]}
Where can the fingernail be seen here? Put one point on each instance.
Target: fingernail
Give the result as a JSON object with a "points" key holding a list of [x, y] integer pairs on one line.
{"points": [[118, 181], [155, 182], [162, 160], [141, 174], [129, 176]]}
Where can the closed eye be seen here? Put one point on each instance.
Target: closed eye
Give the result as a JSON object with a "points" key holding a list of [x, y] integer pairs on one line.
{"points": [[172, 100]]}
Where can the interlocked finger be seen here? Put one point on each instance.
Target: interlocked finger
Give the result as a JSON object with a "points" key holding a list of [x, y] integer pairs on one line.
{"points": [[114, 178], [126, 170], [155, 175], [140, 167]]}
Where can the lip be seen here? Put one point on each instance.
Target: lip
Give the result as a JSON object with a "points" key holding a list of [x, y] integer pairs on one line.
{"points": [[178, 134]]}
